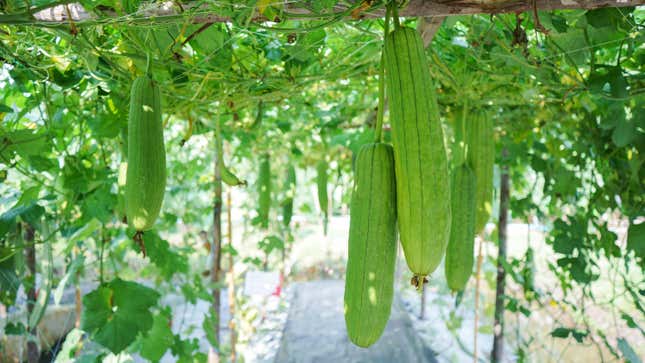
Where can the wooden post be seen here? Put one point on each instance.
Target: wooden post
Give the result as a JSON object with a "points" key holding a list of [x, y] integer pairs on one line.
{"points": [[33, 354], [480, 258], [498, 326], [231, 276], [216, 250]]}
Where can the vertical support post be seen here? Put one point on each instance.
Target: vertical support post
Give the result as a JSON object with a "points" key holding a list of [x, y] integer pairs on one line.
{"points": [[216, 249], [498, 325], [33, 354], [231, 276]]}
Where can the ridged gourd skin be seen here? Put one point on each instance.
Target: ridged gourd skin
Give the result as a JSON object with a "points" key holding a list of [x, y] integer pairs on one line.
{"points": [[264, 191], [481, 158], [421, 164], [146, 170], [369, 280], [460, 252], [290, 193]]}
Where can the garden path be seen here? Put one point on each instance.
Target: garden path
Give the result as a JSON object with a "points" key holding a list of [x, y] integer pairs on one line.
{"points": [[315, 331]]}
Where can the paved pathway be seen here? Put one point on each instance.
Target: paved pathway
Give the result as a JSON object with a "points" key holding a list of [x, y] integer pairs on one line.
{"points": [[315, 331]]}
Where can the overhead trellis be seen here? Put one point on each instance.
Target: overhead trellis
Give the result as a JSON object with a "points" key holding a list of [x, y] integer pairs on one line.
{"points": [[85, 13], [228, 50]]}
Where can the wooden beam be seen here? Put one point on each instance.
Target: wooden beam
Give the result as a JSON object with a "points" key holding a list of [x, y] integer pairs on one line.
{"points": [[207, 13], [428, 27], [466, 7]]}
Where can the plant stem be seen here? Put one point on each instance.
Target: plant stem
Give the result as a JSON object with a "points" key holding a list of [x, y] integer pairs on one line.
{"points": [[395, 14], [378, 135]]}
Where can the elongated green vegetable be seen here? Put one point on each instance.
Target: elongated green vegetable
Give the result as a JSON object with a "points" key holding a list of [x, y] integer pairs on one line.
{"points": [[289, 195], [460, 252], [481, 158], [323, 198], [146, 173], [423, 185], [264, 191], [369, 281]]}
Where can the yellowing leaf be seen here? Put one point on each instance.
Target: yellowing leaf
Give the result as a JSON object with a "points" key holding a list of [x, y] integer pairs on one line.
{"points": [[263, 4]]}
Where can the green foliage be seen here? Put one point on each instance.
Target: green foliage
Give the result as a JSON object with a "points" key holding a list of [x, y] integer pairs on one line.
{"points": [[166, 258], [567, 108], [159, 338], [636, 240], [116, 312], [578, 335]]}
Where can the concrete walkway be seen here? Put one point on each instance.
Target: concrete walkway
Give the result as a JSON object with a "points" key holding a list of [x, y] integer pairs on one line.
{"points": [[315, 331]]}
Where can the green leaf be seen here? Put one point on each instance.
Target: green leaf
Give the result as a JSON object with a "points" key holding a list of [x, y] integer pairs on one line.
{"points": [[599, 18], [624, 133], [163, 256], [210, 40], [5, 109], [628, 352], [82, 233], [106, 125], [130, 6], [553, 21], [9, 280], [100, 204], [71, 345], [573, 39], [29, 196], [322, 6], [631, 322], [618, 83], [67, 79], [41, 163], [271, 243], [116, 312], [71, 271], [210, 322], [159, 339], [30, 213], [15, 329], [561, 332], [636, 239], [23, 143], [186, 350], [608, 17]]}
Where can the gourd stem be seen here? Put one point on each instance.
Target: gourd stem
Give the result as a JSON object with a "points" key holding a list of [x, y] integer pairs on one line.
{"points": [[148, 64], [464, 146], [395, 14], [378, 135]]}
